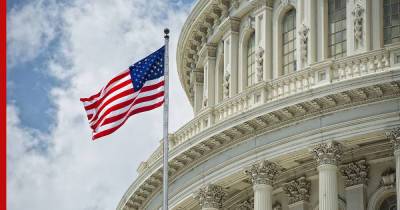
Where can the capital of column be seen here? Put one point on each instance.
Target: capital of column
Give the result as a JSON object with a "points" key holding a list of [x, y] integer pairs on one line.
{"points": [[210, 196], [394, 137], [267, 3], [298, 190], [327, 153], [211, 51], [355, 173], [197, 76], [232, 26], [263, 172]]}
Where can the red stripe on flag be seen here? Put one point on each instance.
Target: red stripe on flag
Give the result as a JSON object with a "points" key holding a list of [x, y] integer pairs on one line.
{"points": [[136, 111], [115, 79], [138, 101], [113, 89], [112, 99], [131, 102]]}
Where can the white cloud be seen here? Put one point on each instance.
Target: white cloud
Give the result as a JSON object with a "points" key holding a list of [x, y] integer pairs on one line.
{"points": [[30, 29], [96, 42]]}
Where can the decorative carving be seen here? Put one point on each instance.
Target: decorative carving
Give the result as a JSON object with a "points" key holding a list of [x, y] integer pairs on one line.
{"points": [[277, 206], [235, 4], [210, 196], [215, 16], [284, 3], [205, 101], [261, 3], [227, 79], [358, 22], [389, 178], [327, 153], [259, 62], [246, 205], [355, 173], [394, 137], [263, 172], [249, 23], [298, 190], [303, 32], [224, 6]]}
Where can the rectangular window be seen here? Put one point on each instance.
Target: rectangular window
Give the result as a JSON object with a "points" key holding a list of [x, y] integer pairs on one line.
{"points": [[289, 40], [337, 28], [251, 61], [391, 21]]}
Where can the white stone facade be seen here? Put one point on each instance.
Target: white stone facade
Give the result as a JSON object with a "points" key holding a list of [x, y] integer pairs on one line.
{"points": [[323, 133]]}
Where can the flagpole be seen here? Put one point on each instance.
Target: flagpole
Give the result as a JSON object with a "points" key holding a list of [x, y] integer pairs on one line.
{"points": [[165, 126]]}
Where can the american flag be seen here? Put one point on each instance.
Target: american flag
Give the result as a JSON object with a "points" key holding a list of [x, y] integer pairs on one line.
{"points": [[138, 89]]}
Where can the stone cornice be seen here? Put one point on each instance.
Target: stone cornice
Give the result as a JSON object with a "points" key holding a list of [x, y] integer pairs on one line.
{"points": [[355, 173]]}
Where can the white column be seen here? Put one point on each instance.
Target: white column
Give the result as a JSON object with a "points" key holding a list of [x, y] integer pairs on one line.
{"points": [[263, 38], [310, 21], [262, 196], [210, 197], [210, 67], [376, 25], [397, 158], [328, 199], [196, 80], [231, 50], [324, 26], [394, 137], [327, 156], [262, 175]]}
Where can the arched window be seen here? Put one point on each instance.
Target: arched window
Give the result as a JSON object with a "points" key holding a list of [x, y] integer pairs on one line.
{"points": [[289, 41], [389, 203], [391, 21], [251, 60], [337, 28]]}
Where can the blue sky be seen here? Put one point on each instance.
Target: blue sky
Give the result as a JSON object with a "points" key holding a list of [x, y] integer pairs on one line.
{"points": [[59, 51]]}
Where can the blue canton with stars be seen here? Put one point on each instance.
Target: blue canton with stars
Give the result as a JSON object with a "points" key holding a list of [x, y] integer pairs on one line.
{"points": [[149, 68]]}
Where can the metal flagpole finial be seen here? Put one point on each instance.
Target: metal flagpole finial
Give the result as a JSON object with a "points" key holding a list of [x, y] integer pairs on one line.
{"points": [[166, 33]]}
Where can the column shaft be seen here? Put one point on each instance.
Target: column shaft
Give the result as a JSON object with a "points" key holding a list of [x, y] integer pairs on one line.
{"points": [[397, 159], [311, 22], [263, 23], [210, 80], [198, 80], [328, 199], [262, 197]]}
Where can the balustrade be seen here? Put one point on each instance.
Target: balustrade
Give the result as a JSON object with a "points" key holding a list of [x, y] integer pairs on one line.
{"points": [[316, 75]]}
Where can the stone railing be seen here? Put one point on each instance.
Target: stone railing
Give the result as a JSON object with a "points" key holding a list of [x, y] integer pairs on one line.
{"points": [[201, 122], [317, 75], [251, 97]]}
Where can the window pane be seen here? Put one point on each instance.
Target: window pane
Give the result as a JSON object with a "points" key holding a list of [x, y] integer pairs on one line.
{"points": [[251, 60], [391, 21], [337, 27], [289, 39]]}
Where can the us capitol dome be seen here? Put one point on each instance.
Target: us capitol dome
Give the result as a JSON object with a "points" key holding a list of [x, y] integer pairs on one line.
{"points": [[297, 107]]}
